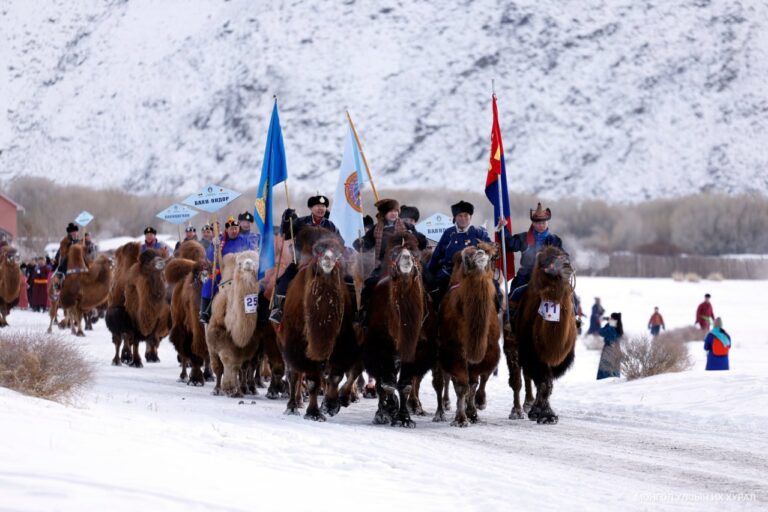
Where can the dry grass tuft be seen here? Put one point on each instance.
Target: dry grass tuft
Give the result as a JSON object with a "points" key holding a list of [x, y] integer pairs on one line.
{"points": [[715, 276], [44, 366], [643, 357], [678, 276], [692, 277]]}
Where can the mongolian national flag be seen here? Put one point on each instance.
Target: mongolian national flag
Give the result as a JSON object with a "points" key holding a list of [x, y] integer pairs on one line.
{"points": [[497, 171], [273, 171], [347, 211]]}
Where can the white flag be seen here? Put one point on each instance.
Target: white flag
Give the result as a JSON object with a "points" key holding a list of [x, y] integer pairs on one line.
{"points": [[347, 210]]}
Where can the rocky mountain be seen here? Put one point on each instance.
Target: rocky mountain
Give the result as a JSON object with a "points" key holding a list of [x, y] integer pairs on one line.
{"points": [[622, 100]]}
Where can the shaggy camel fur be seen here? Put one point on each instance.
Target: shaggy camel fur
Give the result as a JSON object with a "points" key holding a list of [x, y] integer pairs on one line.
{"points": [[231, 334], [10, 281], [145, 315], [469, 329], [543, 348], [397, 308], [187, 276], [117, 318], [83, 288], [317, 338]]}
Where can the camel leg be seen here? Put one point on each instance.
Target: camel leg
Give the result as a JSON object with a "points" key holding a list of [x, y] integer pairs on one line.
{"points": [[543, 391], [438, 383], [348, 392], [150, 352], [77, 319], [183, 377], [136, 356], [116, 340], [229, 384], [53, 313], [207, 371], [480, 398], [414, 403], [528, 403], [404, 385], [516, 382], [126, 356], [218, 370], [331, 402], [461, 387], [313, 411], [294, 392], [471, 406]]}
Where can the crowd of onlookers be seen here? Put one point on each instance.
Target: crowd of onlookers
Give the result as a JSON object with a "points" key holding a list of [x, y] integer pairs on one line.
{"points": [[37, 273]]}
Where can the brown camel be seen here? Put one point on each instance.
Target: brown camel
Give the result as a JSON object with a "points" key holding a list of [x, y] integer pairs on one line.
{"points": [[10, 281], [144, 314], [116, 317], [187, 274], [83, 288], [469, 329], [397, 309], [317, 338], [543, 337], [232, 335]]}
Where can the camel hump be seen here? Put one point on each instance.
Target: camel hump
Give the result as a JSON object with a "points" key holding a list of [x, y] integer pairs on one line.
{"points": [[179, 268], [191, 250]]}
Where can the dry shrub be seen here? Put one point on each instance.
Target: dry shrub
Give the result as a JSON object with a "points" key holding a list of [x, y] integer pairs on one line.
{"points": [[44, 366], [715, 276], [692, 277], [678, 276], [643, 357], [682, 334], [593, 342]]}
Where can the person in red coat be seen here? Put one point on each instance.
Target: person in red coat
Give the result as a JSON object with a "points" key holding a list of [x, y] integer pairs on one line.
{"points": [[704, 314], [39, 281]]}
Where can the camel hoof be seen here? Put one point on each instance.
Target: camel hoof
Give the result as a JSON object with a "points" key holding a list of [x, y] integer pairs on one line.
{"points": [[381, 418], [235, 394], [292, 411], [527, 406], [439, 417], [331, 407], [48, 331], [461, 423], [196, 383], [404, 422], [315, 416], [216, 392], [116, 362], [547, 418], [136, 364], [272, 394], [516, 414], [473, 418]]}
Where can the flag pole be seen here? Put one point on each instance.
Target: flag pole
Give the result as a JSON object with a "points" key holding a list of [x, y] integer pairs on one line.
{"points": [[290, 222], [504, 228], [367, 169]]}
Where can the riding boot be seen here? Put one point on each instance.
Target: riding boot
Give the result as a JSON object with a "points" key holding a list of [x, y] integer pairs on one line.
{"points": [[276, 315], [205, 310]]}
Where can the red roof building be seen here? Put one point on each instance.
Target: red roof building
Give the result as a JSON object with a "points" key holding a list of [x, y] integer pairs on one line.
{"points": [[9, 211]]}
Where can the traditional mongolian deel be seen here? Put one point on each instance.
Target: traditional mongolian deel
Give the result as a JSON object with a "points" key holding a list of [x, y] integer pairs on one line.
{"points": [[211, 198], [83, 218], [177, 214]]}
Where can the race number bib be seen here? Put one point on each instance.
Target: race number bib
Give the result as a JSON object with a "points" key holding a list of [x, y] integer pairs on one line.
{"points": [[550, 311], [251, 303]]}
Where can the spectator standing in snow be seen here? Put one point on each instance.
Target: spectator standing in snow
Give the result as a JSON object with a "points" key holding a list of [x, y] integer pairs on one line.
{"points": [[656, 322], [718, 345], [610, 358], [577, 312], [704, 314], [594, 320]]}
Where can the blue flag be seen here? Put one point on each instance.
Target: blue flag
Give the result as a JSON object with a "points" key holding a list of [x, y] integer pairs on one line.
{"points": [[273, 172]]}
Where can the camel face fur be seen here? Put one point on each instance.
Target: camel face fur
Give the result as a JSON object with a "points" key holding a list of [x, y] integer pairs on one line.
{"points": [[328, 261], [405, 262], [13, 257]]}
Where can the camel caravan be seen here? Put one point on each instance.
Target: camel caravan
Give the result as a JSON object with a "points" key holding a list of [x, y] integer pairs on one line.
{"points": [[393, 308]]}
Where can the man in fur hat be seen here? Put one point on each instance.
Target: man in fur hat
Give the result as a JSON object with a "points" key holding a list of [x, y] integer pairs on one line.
{"points": [[453, 240], [151, 242], [290, 227], [410, 216], [245, 220], [529, 243], [60, 260]]}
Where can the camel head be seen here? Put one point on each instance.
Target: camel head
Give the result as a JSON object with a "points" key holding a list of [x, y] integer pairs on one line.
{"points": [[151, 261], [478, 259], [555, 262], [12, 257], [403, 253], [327, 254], [247, 264]]}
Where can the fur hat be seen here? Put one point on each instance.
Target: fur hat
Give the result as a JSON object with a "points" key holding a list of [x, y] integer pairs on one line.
{"points": [[707, 296], [385, 206], [409, 212], [540, 214], [150, 229], [190, 229], [318, 199], [231, 222], [245, 216], [72, 227], [462, 207]]}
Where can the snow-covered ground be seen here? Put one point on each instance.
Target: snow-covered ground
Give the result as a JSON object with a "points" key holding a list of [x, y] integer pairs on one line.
{"points": [[139, 440]]}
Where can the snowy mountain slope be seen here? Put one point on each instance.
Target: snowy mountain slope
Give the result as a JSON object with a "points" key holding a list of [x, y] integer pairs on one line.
{"points": [[620, 100], [141, 440]]}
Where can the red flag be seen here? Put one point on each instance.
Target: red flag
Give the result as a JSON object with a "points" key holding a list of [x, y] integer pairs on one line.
{"points": [[497, 171]]}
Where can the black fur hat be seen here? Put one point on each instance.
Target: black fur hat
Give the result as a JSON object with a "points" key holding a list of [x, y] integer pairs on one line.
{"points": [[72, 227], [319, 199], [245, 216], [409, 212], [150, 229], [462, 207]]}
